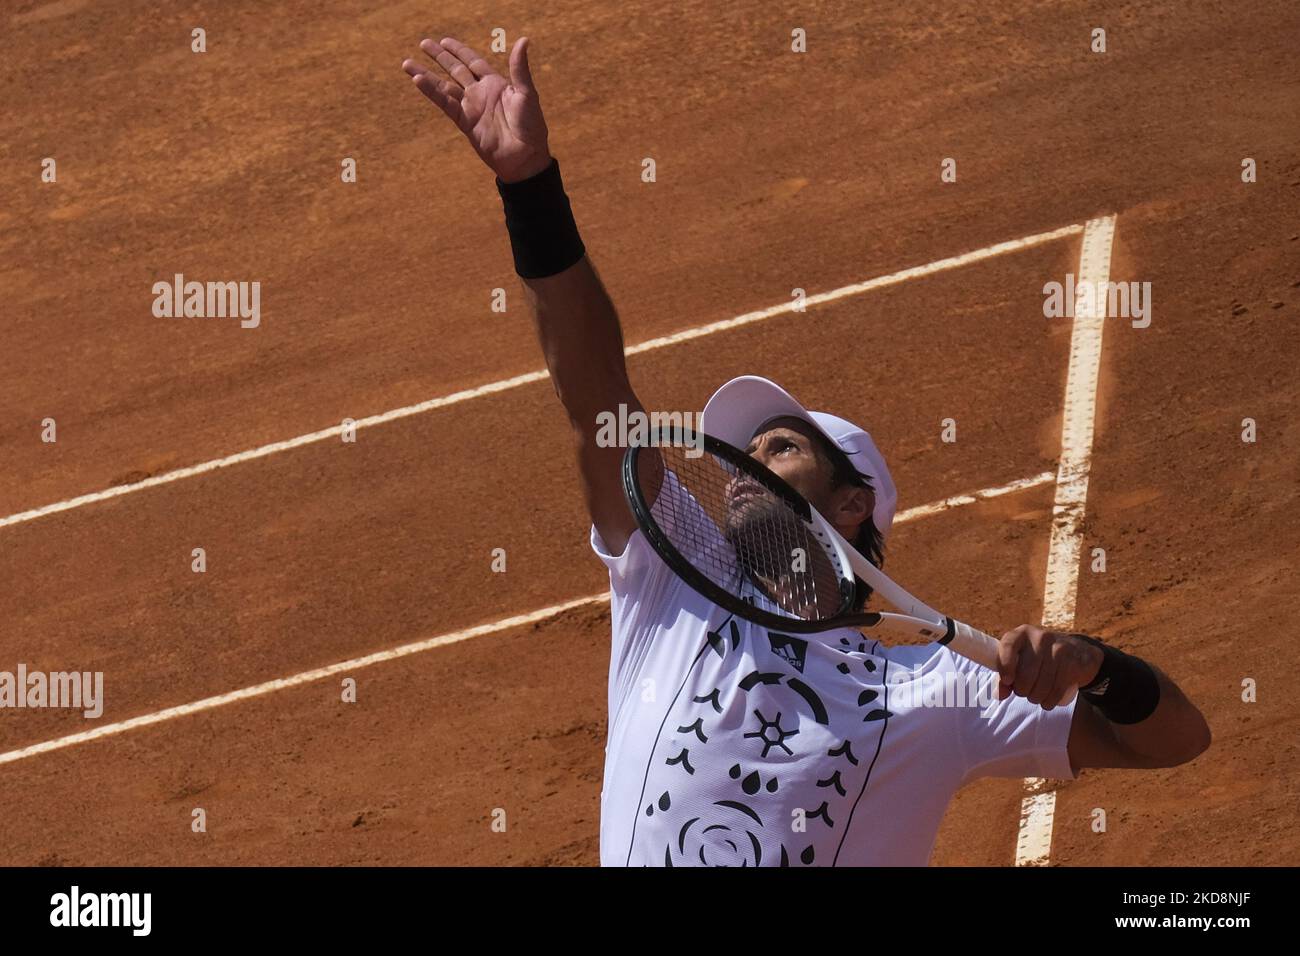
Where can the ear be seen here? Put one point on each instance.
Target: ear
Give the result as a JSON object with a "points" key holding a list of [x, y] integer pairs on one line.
{"points": [[851, 505]]}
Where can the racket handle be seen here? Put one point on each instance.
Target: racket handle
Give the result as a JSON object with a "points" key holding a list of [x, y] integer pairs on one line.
{"points": [[983, 649], [972, 644]]}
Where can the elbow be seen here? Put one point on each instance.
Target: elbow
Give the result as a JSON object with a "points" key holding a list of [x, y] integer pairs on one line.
{"points": [[600, 394]]}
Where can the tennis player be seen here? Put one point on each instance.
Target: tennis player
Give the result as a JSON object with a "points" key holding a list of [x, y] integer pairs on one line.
{"points": [[728, 743]]}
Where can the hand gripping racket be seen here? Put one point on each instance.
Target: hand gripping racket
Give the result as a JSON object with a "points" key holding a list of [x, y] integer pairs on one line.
{"points": [[744, 539]]}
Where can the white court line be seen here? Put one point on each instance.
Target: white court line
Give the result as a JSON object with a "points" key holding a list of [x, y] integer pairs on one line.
{"points": [[404, 650], [1038, 807], [503, 385], [304, 677], [922, 511]]}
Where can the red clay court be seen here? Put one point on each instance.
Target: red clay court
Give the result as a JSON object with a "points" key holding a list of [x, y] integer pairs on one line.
{"points": [[372, 560]]}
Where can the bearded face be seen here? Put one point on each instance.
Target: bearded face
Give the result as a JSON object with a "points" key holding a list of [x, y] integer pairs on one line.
{"points": [[759, 527], [778, 553]]}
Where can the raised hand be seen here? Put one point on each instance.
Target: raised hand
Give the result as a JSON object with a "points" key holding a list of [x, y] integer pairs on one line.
{"points": [[502, 120]]}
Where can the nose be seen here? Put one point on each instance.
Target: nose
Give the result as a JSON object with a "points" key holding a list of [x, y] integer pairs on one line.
{"points": [[760, 455]]}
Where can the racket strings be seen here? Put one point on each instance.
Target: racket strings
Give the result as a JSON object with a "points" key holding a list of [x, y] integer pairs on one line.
{"points": [[745, 538]]}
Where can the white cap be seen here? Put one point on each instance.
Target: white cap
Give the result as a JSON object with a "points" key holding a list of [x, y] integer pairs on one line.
{"points": [[739, 407]]}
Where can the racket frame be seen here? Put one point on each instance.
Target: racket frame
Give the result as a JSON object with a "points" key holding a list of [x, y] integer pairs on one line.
{"points": [[918, 619]]}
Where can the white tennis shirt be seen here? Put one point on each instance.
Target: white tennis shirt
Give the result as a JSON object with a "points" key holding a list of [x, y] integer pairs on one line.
{"points": [[733, 745]]}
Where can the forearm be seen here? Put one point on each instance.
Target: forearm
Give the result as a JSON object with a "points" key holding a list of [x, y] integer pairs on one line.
{"points": [[582, 342], [1175, 733], [1130, 714], [580, 336], [575, 320]]}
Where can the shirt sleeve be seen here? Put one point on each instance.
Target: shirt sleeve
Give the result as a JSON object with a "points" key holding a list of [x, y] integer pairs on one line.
{"points": [[641, 585], [640, 588], [628, 571], [1013, 737]]}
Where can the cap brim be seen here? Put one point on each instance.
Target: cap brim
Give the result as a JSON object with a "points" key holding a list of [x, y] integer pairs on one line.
{"points": [[739, 407]]}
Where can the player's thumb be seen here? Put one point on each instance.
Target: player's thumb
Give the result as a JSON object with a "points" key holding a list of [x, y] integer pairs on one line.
{"points": [[521, 78], [1008, 662]]}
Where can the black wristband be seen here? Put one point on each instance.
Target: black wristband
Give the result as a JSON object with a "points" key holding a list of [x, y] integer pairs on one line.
{"points": [[543, 236], [1125, 689]]}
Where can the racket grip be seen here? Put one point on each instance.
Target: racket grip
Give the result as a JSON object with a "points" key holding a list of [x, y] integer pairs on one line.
{"points": [[973, 645], [983, 649]]}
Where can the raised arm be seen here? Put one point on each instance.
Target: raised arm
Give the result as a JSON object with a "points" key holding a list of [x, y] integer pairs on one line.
{"points": [[575, 319], [583, 345]]}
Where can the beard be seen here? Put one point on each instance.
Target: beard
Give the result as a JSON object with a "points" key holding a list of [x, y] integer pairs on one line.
{"points": [[777, 553], [764, 535]]}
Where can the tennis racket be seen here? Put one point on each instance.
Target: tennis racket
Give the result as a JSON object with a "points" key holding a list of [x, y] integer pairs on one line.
{"points": [[740, 536]]}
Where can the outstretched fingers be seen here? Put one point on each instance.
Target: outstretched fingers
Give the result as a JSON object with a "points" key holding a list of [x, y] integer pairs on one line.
{"points": [[458, 71], [445, 95], [416, 69], [460, 54]]}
